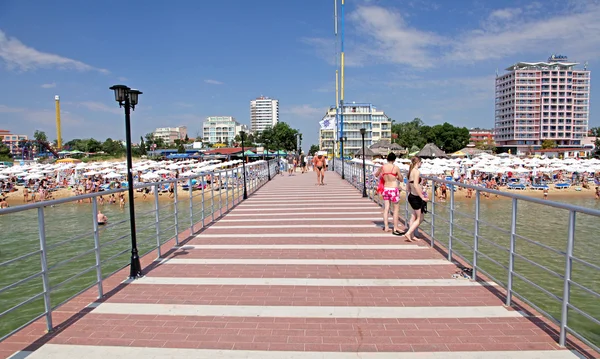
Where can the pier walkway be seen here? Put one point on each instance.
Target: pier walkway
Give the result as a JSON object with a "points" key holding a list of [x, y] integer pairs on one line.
{"points": [[296, 271]]}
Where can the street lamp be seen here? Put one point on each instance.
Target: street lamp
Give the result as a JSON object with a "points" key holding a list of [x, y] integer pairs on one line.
{"points": [[268, 166], [128, 98], [362, 134], [242, 135], [342, 140]]}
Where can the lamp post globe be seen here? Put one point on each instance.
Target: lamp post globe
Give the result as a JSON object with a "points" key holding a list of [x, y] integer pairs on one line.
{"points": [[363, 131], [128, 99]]}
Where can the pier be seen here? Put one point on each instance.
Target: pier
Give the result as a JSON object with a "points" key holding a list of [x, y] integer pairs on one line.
{"points": [[297, 271]]}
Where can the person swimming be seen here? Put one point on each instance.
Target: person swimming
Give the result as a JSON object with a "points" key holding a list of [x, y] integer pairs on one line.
{"points": [[102, 219]]}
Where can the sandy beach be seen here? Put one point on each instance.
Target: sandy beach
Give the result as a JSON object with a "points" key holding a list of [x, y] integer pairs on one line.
{"points": [[16, 198]]}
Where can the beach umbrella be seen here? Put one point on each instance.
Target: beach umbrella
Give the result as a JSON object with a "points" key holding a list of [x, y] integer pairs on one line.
{"points": [[150, 176], [163, 172], [113, 175]]}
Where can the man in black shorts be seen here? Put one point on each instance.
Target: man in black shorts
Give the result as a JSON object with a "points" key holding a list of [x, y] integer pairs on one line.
{"points": [[303, 162]]}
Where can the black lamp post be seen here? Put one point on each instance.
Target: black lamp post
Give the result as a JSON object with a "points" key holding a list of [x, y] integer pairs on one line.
{"points": [[268, 167], [342, 140], [128, 98], [242, 135], [362, 134]]}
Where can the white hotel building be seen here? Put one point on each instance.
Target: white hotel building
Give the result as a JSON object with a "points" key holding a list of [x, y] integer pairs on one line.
{"points": [[221, 129], [356, 116], [264, 112], [537, 101], [170, 134]]}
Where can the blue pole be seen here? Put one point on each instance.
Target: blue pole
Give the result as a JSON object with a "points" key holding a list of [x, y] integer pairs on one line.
{"points": [[342, 93]]}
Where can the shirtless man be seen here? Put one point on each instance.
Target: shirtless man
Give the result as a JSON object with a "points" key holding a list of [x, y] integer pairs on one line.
{"points": [[319, 165], [102, 219]]}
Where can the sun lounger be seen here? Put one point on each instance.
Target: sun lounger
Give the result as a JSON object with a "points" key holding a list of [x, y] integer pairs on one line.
{"points": [[539, 186], [562, 185], [517, 186]]}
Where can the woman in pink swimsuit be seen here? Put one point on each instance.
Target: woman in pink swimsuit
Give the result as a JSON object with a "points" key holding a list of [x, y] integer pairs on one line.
{"points": [[389, 175]]}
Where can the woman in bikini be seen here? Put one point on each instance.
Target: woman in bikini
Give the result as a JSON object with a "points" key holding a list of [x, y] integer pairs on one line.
{"points": [[389, 175], [416, 199]]}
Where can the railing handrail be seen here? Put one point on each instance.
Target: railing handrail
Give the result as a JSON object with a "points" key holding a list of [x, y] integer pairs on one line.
{"points": [[354, 175], [137, 185], [521, 197], [254, 176]]}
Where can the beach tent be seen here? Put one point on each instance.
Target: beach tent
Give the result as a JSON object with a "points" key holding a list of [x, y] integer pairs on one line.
{"points": [[430, 150], [68, 160], [248, 153]]}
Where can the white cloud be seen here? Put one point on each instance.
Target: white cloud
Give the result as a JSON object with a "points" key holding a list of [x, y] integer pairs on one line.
{"points": [[384, 36], [100, 107], [48, 86], [213, 82], [576, 32], [304, 111], [18, 56], [505, 14]]}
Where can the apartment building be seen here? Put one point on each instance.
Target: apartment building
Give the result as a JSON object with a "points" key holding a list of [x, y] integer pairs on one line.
{"points": [[170, 134], [12, 141], [537, 101], [221, 129], [264, 112], [377, 124]]}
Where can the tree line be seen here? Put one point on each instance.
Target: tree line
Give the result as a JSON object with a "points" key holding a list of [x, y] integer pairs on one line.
{"points": [[414, 135]]}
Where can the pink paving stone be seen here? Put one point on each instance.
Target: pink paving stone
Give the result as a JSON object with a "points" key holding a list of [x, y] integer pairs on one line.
{"points": [[304, 271], [306, 254], [76, 325], [307, 241]]}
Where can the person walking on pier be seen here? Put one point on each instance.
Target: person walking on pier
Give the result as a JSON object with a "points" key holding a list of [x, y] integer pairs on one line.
{"points": [[416, 199], [389, 175], [319, 165]]}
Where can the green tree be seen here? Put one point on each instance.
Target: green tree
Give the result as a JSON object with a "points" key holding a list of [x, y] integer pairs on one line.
{"points": [[180, 148], [487, 145], [313, 149], [112, 147], [5, 154], [93, 145], [548, 144], [187, 139], [142, 147], [283, 137], [40, 136], [594, 132]]}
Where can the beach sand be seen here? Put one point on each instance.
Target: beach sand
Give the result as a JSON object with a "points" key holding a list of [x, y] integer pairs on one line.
{"points": [[16, 198]]}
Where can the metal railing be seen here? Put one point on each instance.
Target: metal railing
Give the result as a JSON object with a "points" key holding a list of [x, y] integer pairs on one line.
{"points": [[33, 283], [557, 273]]}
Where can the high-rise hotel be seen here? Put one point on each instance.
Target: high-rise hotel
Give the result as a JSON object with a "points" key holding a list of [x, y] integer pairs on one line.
{"points": [[537, 101], [264, 112]]}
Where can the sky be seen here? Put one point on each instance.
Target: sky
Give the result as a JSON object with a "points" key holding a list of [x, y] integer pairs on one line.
{"points": [[435, 60]]}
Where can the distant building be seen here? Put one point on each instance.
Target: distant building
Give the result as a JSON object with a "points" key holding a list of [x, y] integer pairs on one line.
{"points": [[537, 101], [377, 124], [12, 141], [221, 129], [170, 134], [479, 134], [264, 112]]}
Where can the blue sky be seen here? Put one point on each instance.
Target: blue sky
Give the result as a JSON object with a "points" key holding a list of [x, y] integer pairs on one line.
{"points": [[412, 58]]}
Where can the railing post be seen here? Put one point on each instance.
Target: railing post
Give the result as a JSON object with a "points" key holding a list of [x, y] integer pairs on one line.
{"points": [[212, 196], [44, 263], [511, 258], [227, 190], [451, 222], [433, 185], [564, 317], [97, 246], [220, 194], [157, 220], [191, 206], [175, 209], [203, 185], [476, 234]]}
